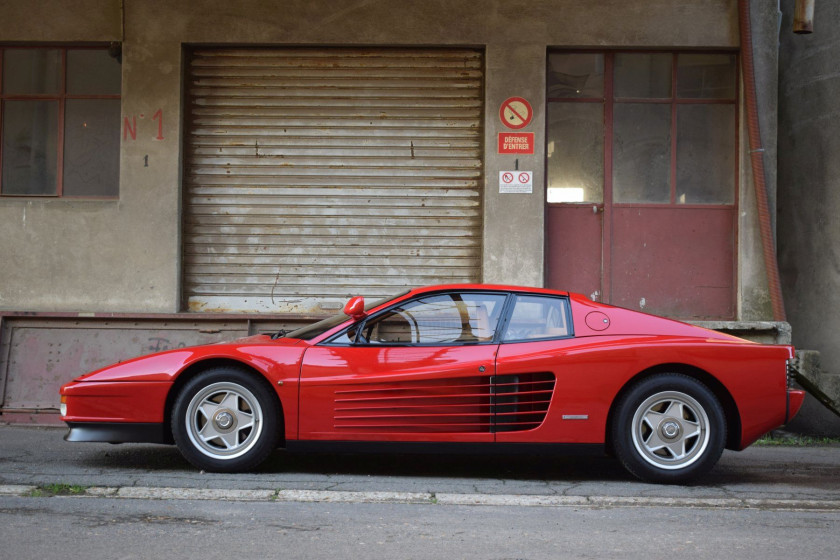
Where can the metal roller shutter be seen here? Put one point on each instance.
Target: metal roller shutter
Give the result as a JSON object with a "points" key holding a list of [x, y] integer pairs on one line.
{"points": [[314, 174]]}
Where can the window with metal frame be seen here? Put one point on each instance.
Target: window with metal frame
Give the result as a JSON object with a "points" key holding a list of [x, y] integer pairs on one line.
{"points": [[59, 121], [669, 127], [642, 169]]}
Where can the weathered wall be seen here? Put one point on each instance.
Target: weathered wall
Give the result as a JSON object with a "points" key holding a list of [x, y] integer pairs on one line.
{"points": [[754, 292], [105, 255], [809, 192], [124, 256], [57, 21]]}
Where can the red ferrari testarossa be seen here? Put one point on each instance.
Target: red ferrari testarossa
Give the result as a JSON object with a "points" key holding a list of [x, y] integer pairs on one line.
{"points": [[452, 368]]}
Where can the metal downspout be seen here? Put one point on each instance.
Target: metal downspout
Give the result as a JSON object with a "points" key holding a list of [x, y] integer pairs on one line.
{"points": [[757, 158]]}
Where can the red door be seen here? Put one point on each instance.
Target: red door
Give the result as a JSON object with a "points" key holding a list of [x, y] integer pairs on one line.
{"points": [[397, 393], [641, 175], [574, 245]]}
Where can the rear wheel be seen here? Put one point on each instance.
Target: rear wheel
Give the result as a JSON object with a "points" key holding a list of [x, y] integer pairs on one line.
{"points": [[668, 428], [225, 420]]}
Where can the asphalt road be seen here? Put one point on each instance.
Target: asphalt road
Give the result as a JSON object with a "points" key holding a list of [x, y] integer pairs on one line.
{"points": [[38, 528], [145, 501]]}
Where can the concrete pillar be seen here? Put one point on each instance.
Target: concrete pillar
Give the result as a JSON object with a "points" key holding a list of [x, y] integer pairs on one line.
{"points": [[809, 194], [514, 222]]}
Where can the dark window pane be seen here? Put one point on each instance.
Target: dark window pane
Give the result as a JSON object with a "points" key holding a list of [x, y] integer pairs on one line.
{"points": [[643, 75], [575, 152], [31, 71], [575, 75], [92, 71], [642, 153], [91, 147], [30, 147], [705, 154], [706, 76]]}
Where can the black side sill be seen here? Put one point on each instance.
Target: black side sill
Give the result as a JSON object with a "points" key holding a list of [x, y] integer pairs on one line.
{"points": [[446, 448], [117, 432]]}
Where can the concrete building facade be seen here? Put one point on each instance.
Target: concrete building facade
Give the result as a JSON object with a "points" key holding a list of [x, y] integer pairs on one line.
{"points": [[151, 261], [809, 200]]}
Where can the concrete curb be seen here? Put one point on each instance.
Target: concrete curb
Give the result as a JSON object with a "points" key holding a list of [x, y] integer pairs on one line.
{"points": [[16, 490], [507, 500], [355, 497], [230, 495]]}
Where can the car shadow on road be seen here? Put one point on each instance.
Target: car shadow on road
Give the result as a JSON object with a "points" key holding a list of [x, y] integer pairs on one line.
{"points": [[160, 458], [519, 467]]}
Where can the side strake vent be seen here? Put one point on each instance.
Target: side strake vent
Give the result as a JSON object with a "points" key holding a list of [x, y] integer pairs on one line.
{"points": [[439, 406], [463, 405], [521, 401]]}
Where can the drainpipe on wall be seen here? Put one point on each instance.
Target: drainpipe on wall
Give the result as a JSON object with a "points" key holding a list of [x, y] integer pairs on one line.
{"points": [[803, 16], [757, 159]]}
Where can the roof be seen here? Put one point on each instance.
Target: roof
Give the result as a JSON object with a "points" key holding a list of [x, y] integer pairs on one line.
{"points": [[493, 287]]}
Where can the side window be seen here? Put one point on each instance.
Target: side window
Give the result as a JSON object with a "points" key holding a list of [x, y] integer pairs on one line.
{"points": [[346, 337], [438, 319], [537, 317], [60, 117]]}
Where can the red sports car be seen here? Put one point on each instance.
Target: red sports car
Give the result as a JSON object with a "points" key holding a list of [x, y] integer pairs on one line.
{"points": [[452, 368]]}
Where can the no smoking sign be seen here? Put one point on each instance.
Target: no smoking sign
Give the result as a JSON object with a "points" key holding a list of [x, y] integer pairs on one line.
{"points": [[516, 113], [516, 182]]}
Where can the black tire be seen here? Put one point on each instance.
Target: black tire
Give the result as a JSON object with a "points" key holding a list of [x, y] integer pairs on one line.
{"points": [[668, 428], [225, 420]]}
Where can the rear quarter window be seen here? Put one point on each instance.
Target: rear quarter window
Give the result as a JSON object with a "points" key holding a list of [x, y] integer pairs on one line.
{"points": [[538, 317]]}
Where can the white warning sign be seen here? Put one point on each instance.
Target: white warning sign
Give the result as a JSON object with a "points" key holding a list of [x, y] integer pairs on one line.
{"points": [[521, 182]]}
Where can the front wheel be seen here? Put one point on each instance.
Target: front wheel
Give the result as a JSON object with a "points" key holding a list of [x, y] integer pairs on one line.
{"points": [[225, 420], [668, 428]]}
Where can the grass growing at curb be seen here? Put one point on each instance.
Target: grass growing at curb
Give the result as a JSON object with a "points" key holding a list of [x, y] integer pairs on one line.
{"points": [[57, 489], [794, 440]]}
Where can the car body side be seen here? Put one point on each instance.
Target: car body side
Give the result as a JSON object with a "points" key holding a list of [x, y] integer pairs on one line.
{"points": [[592, 369]]}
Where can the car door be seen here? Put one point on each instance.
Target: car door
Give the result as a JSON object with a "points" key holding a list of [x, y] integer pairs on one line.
{"points": [[532, 383], [419, 371]]}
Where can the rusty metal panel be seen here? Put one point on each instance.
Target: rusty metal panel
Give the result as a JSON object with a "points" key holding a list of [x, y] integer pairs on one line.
{"points": [[40, 356], [315, 174], [573, 248], [675, 261]]}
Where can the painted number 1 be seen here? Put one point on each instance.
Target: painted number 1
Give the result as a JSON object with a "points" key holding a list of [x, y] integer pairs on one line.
{"points": [[158, 116]]}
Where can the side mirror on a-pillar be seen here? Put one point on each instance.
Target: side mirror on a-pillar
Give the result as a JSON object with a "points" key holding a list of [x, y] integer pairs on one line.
{"points": [[355, 308]]}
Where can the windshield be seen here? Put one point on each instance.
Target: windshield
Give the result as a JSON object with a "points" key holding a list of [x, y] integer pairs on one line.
{"points": [[311, 331]]}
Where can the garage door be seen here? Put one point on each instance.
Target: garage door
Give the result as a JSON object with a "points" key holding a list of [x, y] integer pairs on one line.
{"points": [[315, 174]]}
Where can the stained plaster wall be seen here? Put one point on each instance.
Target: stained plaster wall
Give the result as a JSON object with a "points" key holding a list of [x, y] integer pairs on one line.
{"points": [[754, 302], [125, 255]]}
